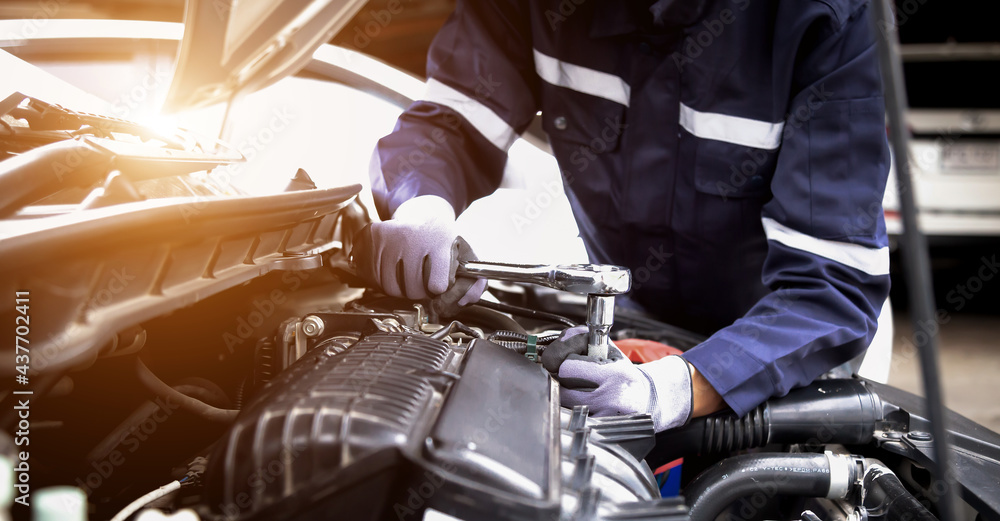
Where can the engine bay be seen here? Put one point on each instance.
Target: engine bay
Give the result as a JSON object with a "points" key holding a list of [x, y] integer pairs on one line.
{"points": [[203, 354], [302, 395]]}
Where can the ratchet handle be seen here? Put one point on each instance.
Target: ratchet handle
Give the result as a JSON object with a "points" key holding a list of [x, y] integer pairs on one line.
{"points": [[583, 279]]}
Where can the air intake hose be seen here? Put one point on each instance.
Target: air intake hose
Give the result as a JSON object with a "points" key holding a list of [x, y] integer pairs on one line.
{"points": [[827, 411]]}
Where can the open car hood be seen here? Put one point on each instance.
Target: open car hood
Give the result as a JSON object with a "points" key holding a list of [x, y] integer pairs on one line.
{"points": [[231, 46]]}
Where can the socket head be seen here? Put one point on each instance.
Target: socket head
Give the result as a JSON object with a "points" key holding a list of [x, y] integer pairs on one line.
{"points": [[593, 279]]}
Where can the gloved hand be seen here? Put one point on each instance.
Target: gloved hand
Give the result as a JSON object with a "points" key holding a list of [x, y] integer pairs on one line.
{"points": [[615, 386], [415, 256]]}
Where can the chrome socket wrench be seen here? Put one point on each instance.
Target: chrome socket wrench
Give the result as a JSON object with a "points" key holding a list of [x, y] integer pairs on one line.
{"points": [[600, 282]]}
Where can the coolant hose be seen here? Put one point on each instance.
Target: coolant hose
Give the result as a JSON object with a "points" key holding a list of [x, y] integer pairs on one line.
{"points": [[885, 494], [766, 475]]}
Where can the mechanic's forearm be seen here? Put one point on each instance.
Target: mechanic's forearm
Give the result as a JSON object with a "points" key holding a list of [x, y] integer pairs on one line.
{"points": [[705, 399]]}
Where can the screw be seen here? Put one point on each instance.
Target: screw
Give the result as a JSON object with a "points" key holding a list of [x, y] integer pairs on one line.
{"points": [[312, 326], [920, 436]]}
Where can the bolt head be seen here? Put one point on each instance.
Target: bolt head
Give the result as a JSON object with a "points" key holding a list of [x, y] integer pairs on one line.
{"points": [[920, 436], [312, 326]]}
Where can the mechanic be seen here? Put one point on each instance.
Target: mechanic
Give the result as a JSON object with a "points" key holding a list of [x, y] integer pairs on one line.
{"points": [[731, 152]]}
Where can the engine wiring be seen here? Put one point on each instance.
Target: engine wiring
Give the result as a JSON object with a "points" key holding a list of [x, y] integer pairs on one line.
{"points": [[148, 498], [456, 326]]}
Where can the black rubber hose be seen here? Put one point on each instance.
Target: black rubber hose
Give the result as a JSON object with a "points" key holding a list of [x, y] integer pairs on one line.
{"points": [[884, 494], [489, 318], [719, 433], [134, 420], [680, 338], [526, 312], [207, 391], [750, 475], [192, 405], [826, 411]]}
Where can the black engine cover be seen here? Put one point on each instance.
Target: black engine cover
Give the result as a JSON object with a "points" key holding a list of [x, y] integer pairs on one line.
{"points": [[400, 423]]}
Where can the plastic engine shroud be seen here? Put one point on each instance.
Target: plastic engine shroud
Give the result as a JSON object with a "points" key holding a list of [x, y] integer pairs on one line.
{"points": [[400, 423]]}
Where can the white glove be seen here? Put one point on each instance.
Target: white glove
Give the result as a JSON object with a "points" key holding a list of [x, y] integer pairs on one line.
{"points": [[614, 386], [415, 255]]}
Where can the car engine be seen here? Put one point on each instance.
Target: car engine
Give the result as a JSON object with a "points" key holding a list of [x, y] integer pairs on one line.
{"points": [[411, 421], [221, 343]]}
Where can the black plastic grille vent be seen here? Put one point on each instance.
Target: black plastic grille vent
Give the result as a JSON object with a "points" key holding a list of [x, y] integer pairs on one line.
{"points": [[323, 414]]}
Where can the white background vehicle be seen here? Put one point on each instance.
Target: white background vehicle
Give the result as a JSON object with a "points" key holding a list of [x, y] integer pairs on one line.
{"points": [[955, 151]]}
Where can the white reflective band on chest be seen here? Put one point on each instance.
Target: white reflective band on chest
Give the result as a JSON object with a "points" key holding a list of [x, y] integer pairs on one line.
{"points": [[873, 261], [732, 129], [487, 122], [581, 79]]}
